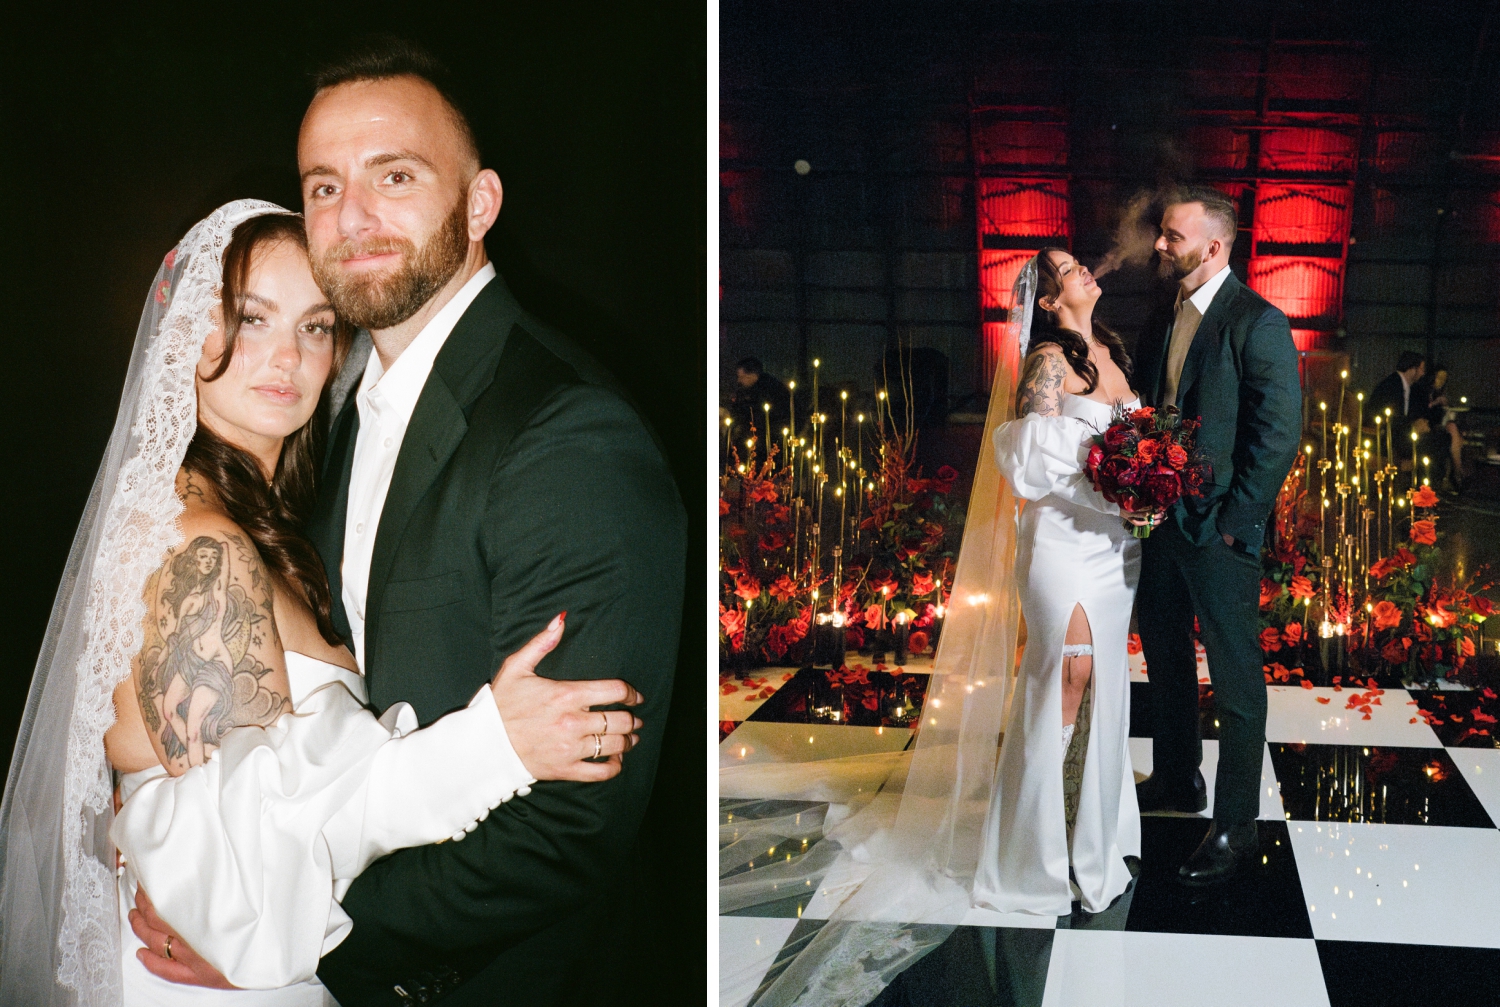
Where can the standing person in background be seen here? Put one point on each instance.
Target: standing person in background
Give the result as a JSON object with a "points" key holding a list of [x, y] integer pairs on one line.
{"points": [[1443, 442], [1396, 392], [754, 390]]}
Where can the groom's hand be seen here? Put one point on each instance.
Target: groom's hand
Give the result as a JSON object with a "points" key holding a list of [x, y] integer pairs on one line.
{"points": [[551, 724], [185, 966]]}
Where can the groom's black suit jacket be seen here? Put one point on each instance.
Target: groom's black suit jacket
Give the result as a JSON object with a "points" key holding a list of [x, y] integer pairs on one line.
{"points": [[526, 485], [1240, 376]]}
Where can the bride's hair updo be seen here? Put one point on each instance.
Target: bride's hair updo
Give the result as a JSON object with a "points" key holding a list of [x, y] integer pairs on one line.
{"points": [[1044, 327], [273, 513]]}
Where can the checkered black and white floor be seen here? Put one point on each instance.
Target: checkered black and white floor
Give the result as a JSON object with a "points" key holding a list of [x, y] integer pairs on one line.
{"points": [[1381, 880]]}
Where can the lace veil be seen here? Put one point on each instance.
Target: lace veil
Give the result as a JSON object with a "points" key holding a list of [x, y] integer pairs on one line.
{"points": [[59, 921], [902, 835]]}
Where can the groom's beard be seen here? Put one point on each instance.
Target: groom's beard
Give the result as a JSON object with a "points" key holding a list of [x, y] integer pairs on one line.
{"points": [[1177, 268], [382, 300]]}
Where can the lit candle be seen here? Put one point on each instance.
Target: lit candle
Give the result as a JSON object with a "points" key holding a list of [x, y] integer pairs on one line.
{"points": [[728, 433], [1413, 457], [1323, 408], [1343, 387], [1377, 440], [766, 406], [1307, 475], [816, 365], [791, 387], [903, 636]]}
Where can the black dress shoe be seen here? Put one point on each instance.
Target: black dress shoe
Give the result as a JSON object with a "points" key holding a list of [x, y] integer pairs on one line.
{"points": [[1227, 850], [1156, 793]]}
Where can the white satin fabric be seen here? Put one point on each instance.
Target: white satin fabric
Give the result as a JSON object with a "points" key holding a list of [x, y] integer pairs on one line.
{"points": [[247, 855], [1072, 549]]}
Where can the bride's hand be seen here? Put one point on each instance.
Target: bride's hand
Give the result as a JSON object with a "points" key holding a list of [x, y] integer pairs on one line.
{"points": [[550, 722], [1145, 519], [185, 966]]}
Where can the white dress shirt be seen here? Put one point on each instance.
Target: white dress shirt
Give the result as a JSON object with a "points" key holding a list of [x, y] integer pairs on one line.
{"points": [[385, 401], [1190, 312], [1405, 394]]}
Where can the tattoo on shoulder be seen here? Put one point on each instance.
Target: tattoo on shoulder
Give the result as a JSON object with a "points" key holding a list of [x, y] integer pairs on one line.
{"points": [[189, 491], [200, 673], [1041, 386]]}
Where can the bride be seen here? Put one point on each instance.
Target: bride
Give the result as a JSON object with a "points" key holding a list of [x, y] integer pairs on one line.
{"points": [[191, 652], [1063, 816], [951, 829]]}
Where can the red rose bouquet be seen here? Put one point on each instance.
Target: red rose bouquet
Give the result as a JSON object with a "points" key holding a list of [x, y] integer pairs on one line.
{"points": [[1146, 460]]}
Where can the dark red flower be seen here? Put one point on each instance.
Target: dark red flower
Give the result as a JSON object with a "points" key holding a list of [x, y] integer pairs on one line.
{"points": [[1162, 487], [1146, 450], [922, 583], [1301, 588], [1292, 633], [1269, 592], [1270, 639], [1117, 435], [917, 642], [723, 507], [763, 492], [1177, 456], [1386, 615], [1394, 652], [785, 589], [1423, 532], [747, 587]]}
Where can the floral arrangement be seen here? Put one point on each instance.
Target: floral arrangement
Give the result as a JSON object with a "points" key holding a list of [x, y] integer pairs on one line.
{"points": [[895, 559], [1146, 460], [1412, 622]]}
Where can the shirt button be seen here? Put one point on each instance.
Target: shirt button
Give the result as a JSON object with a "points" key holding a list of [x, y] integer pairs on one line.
{"points": [[359, 529], [388, 442]]}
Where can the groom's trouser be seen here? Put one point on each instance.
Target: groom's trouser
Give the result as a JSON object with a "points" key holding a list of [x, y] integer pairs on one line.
{"points": [[1221, 584]]}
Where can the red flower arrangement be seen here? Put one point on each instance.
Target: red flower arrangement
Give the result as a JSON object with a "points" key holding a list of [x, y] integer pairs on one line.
{"points": [[1146, 460]]}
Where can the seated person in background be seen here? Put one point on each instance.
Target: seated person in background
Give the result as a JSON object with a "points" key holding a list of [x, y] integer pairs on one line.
{"points": [[754, 388], [1395, 392], [1444, 444]]}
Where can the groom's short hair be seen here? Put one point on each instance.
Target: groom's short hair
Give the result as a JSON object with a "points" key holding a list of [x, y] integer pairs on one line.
{"points": [[1217, 207], [382, 57]]}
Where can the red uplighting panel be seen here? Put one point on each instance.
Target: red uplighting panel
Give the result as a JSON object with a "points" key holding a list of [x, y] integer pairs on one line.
{"points": [[1309, 150], [1008, 142], [1310, 290], [1023, 207], [1303, 214]]}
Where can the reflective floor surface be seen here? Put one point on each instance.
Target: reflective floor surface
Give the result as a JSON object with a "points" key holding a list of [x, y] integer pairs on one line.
{"points": [[1380, 880]]}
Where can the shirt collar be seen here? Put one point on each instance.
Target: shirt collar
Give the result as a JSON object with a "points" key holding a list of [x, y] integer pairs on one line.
{"points": [[1204, 295], [399, 388]]}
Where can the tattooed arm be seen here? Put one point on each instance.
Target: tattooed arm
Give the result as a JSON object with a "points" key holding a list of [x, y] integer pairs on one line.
{"points": [[1041, 387], [212, 659]]}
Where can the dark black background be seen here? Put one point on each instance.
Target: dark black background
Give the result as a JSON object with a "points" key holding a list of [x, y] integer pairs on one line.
{"points": [[119, 130]]}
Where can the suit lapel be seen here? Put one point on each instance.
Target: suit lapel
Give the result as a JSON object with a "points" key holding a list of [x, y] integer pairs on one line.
{"points": [[463, 369], [1217, 317], [333, 508]]}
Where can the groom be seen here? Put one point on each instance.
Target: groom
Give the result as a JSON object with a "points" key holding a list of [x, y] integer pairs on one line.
{"points": [[1224, 354], [483, 475]]}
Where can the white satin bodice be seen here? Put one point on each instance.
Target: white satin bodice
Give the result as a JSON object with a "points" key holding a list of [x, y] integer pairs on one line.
{"points": [[247, 855]]}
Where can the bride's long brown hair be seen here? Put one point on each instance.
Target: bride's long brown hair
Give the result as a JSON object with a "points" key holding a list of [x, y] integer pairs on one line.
{"points": [[1044, 328], [271, 513]]}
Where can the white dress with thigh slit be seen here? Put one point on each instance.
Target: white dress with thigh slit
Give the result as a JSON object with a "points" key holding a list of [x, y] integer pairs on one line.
{"points": [[1072, 549]]}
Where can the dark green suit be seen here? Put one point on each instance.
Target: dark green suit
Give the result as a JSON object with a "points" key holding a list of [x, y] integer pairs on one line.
{"points": [[526, 486], [1240, 376]]}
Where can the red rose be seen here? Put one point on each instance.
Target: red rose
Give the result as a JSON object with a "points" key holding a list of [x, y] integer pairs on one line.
{"points": [[785, 589], [1483, 606], [771, 541], [1441, 617], [1301, 588], [1177, 456], [1269, 592], [1270, 639], [1405, 557], [747, 587], [723, 506], [947, 475], [1129, 473], [732, 620], [874, 618], [1292, 634], [854, 637], [1466, 646], [921, 584], [917, 642], [1394, 652], [1133, 643], [1096, 455], [1146, 450], [170, 259], [1386, 615], [1423, 532], [1380, 568], [1424, 497]]}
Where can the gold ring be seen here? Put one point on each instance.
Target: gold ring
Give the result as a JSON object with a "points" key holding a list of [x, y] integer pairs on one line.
{"points": [[168, 950], [605, 728], [598, 745]]}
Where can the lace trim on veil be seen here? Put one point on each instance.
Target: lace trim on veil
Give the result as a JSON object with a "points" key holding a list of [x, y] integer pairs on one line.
{"points": [[95, 632]]}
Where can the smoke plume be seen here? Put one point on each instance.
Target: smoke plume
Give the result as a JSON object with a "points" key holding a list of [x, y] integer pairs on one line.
{"points": [[1135, 235]]}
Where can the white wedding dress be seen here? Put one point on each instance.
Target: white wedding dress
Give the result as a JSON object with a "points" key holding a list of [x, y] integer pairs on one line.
{"points": [[1072, 549], [247, 855]]}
